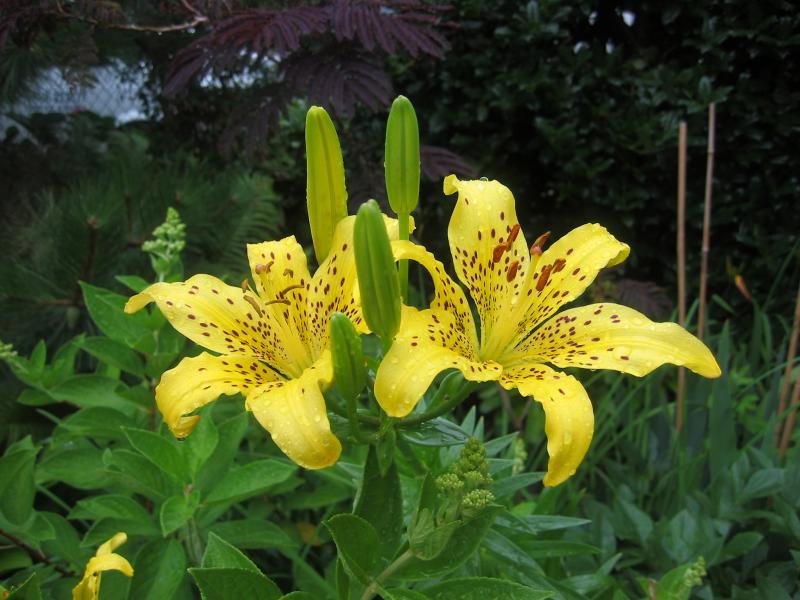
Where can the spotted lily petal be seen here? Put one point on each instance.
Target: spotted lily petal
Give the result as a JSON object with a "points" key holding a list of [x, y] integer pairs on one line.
{"points": [[611, 336], [428, 343], [569, 419], [294, 413], [564, 271], [202, 379], [104, 560], [216, 316], [483, 219]]}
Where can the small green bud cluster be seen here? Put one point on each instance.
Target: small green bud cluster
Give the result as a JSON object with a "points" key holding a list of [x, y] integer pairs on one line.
{"points": [[7, 352], [464, 485], [169, 239], [694, 574], [520, 456]]}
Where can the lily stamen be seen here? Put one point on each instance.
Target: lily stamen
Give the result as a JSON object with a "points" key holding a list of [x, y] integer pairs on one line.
{"points": [[254, 303], [283, 292], [497, 253], [542, 281], [512, 271]]}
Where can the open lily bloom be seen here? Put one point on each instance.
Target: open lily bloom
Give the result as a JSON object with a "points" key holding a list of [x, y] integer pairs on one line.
{"points": [[517, 292], [103, 560], [272, 341]]}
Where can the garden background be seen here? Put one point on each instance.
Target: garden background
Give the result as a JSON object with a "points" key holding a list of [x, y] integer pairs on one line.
{"points": [[113, 112]]}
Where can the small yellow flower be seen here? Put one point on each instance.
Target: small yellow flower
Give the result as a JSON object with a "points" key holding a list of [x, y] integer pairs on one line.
{"points": [[272, 340], [103, 560], [517, 291]]}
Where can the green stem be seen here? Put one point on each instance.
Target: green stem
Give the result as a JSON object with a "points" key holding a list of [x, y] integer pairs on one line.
{"points": [[338, 410], [402, 271], [374, 587], [447, 404]]}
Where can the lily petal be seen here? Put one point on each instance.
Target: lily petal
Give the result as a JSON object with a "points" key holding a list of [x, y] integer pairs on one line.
{"points": [[571, 264], [429, 342], [611, 336], [280, 273], [294, 413], [569, 419], [202, 379], [216, 316], [483, 219], [104, 560], [448, 295]]}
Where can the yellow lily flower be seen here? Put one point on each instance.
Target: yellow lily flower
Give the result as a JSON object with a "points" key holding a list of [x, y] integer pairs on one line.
{"points": [[103, 560], [517, 292], [273, 342]]}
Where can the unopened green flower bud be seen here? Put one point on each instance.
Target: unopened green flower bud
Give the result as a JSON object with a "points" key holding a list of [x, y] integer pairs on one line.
{"points": [[475, 501], [348, 357], [377, 275], [402, 162], [694, 575], [476, 479], [326, 196], [7, 351], [449, 483]]}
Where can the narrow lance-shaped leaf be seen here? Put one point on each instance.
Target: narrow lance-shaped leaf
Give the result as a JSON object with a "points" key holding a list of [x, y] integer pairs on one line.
{"points": [[326, 195], [377, 276]]}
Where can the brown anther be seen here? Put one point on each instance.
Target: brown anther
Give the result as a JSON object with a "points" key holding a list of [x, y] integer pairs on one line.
{"points": [[288, 271], [245, 285], [289, 289], [497, 253], [559, 264], [542, 240], [260, 268], [512, 271], [512, 235], [536, 251], [277, 301], [254, 303], [542, 281]]}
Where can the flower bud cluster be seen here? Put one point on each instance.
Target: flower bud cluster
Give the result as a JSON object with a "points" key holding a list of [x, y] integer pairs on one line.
{"points": [[464, 485], [169, 239], [7, 352]]}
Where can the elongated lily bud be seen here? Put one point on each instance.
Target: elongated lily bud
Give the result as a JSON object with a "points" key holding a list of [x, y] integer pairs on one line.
{"points": [[402, 157], [326, 195], [349, 370], [377, 276]]}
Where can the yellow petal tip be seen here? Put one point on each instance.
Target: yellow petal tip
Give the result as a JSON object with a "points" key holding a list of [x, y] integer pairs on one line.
{"points": [[450, 185], [137, 302]]}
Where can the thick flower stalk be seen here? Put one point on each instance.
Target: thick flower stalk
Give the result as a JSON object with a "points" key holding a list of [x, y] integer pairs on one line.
{"points": [[104, 560], [517, 291], [272, 340]]}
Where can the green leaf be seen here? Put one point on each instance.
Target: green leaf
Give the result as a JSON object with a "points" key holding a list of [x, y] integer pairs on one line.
{"points": [[137, 473], [96, 422], [132, 282], [234, 584], [162, 452], [16, 481], [221, 554], [507, 486], [81, 468], [463, 542], [34, 397], [93, 390], [253, 534], [107, 311], [763, 482], [65, 543], [200, 445], [113, 353], [740, 544], [110, 505], [28, 590], [176, 511], [379, 502], [481, 588], [229, 434], [402, 594], [12, 559], [357, 543], [298, 596], [106, 527], [158, 569], [250, 480]]}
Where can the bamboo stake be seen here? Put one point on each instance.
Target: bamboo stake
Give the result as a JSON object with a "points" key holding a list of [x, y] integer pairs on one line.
{"points": [[701, 311], [789, 426], [681, 243], [791, 353]]}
